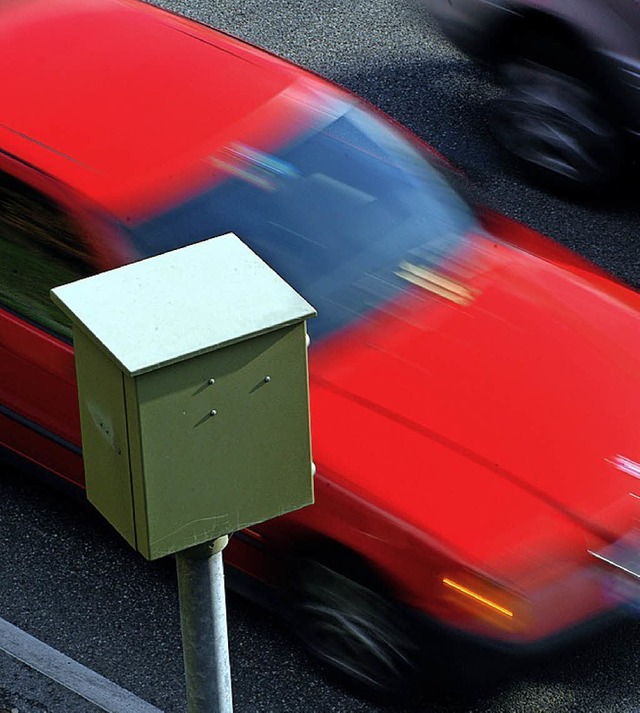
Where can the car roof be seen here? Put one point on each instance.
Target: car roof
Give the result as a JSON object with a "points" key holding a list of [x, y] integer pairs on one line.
{"points": [[119, 99]]}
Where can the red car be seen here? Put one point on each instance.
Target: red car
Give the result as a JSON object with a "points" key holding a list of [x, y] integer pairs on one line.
{"points": [[475, 387]]}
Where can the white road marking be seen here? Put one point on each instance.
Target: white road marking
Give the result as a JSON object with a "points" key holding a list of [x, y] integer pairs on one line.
{"points": [[69, 673]]}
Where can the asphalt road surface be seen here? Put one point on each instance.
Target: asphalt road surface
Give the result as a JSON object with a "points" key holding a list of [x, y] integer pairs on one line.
{"points": [[68, 580]]}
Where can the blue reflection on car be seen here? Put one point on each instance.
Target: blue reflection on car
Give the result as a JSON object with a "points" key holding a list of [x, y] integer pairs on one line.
{"points": [[334, 212]]}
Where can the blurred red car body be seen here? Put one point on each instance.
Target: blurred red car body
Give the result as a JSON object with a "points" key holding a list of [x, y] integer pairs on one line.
{"points": [[474, 405]]}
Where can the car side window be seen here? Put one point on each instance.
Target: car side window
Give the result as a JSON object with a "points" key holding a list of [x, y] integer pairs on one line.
{"points": [[40, 248]]}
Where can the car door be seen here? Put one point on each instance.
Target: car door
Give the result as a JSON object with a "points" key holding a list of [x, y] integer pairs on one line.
{"points": [[43, 243]]}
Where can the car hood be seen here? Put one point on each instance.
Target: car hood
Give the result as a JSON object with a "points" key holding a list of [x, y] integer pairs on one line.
{"points": [[98, 97], [498, 397]]}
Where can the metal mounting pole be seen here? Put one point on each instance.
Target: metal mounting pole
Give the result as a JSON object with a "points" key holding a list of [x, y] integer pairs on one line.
{"points": [[203, 617]]}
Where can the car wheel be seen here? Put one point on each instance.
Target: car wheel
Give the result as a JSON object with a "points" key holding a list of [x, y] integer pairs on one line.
{"points": [[353, 630], [556, 126]]}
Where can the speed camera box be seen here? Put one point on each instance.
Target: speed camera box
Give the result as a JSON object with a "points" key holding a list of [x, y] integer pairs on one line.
{"points": [[193, 391]]}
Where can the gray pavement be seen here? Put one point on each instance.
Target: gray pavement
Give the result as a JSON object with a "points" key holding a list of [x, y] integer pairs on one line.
{"points": [[50, 670], [24, 690]]}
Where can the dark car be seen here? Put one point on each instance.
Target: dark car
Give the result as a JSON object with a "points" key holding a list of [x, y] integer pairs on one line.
{"points": [[570, 69]]}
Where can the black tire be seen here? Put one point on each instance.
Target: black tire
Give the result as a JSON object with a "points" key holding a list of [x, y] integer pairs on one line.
{"points": [[552, 118], [353, 630]]}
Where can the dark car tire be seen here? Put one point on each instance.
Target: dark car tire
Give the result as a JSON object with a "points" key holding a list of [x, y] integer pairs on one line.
{"points": [[356, 633], [552, 119]]}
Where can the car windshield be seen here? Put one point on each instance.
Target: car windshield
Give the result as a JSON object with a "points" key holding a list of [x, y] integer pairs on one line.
{"points": [[334, 212]]}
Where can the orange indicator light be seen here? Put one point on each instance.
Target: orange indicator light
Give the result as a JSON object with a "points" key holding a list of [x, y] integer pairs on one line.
{"points": [[477, 597]]}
